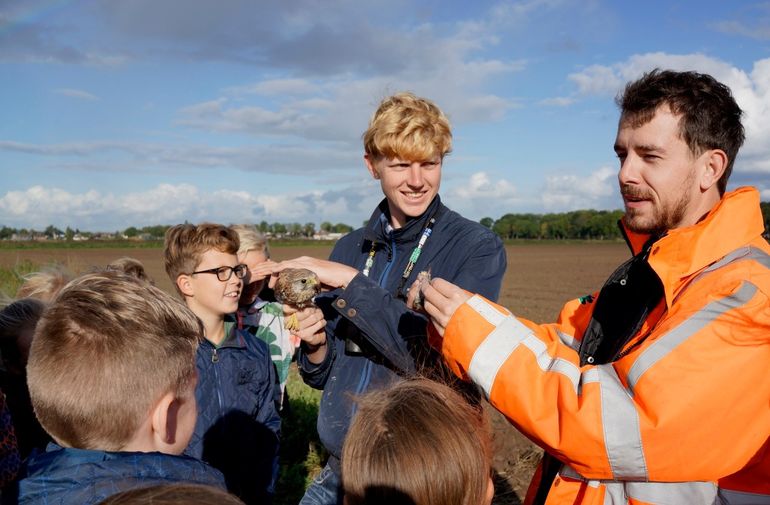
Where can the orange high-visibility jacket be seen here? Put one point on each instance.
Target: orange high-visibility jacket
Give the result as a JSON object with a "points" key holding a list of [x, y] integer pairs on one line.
{"points": [[682, 416]]}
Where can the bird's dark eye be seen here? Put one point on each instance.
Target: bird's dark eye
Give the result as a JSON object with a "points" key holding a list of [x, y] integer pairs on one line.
{"points": [[304, 281]]}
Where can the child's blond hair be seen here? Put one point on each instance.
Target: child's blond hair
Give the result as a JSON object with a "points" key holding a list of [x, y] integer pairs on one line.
{"points": [[408, 127], [251, 239], [104, 352]]}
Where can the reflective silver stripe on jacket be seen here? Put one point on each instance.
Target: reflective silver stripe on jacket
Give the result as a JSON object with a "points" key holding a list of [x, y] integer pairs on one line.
{"points": [[494, 350], [622, 431], [620, 492], [669, 341], [497, 347], [744, 253]]}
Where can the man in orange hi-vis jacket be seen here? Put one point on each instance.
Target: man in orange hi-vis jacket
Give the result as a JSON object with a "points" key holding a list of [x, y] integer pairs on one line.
{"points": [[657, 390]]}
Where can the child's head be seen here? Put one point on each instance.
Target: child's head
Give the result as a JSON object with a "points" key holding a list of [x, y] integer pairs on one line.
{"points": [[131, 266], [418, 442], [252, 251], [408, 127], [112, 366], [202, 263], [17, 325]]}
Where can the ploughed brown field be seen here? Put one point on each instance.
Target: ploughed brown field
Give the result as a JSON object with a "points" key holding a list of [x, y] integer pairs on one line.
{"points": [[539, 279]]}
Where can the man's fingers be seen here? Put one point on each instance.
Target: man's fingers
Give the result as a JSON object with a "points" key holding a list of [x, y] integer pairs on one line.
{"points": [[272, 281], [432, 295], [437, 318]]}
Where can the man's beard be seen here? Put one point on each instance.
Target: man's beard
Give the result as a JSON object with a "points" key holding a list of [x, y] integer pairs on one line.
{"points": [[663, 218]]}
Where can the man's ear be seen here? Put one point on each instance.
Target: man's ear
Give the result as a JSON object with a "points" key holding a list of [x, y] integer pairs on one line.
{"points": [[715, 164], [164, 421], [184, 285], [370, 166]]}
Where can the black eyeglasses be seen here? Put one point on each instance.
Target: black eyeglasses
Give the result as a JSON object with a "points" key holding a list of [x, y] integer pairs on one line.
{"points": [[224, 273]]}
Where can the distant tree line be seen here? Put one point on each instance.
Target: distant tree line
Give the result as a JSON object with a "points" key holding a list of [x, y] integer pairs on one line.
{"points": [[157, 232], [291, 230], [579, 224]]}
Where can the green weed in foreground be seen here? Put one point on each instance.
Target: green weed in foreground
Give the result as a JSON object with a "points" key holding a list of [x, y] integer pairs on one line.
{"points": [[11, 278], [302, 455]]}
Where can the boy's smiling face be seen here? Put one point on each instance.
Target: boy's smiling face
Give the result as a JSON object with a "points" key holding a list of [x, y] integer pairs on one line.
{"points": [[210, 295]]}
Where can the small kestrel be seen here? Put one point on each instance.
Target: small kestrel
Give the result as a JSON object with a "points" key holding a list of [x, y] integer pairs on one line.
{"points": [[296, 287]]}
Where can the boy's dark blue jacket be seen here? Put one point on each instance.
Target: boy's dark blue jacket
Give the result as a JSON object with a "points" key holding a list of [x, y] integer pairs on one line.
{"points": [[67, 476], [238, 424], [369, 312]]}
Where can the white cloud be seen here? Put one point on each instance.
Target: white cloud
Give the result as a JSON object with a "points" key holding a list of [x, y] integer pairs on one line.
{"points": [[39, 206], [568, 192], [597, 80], [480, 195], [76, 93], [480, 186]]}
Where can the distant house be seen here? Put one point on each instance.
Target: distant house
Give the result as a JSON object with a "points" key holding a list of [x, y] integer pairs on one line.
{"points": [[327, 235]]}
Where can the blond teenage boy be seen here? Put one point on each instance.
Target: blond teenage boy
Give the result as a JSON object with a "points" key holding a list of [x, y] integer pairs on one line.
{"points": [[366, 337], [238, 424], [111, 376]]}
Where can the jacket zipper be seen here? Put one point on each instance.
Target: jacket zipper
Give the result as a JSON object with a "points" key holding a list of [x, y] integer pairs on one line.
{"points": [[215, 360], [366, 373]]}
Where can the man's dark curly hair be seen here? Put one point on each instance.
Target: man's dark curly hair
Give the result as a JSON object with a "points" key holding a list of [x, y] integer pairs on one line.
{"points": [[711, 119]]}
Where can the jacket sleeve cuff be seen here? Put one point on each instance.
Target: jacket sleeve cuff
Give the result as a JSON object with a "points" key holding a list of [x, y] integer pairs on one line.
{"points": [[314, 374]]}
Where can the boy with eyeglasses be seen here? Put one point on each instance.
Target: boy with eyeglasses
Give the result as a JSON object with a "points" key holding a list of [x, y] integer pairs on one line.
{"points": [[238, 423]]}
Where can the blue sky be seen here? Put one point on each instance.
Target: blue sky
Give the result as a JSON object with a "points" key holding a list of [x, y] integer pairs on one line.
{"points": [[139, 112]]}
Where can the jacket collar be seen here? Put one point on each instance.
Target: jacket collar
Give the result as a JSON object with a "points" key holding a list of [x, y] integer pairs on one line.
{"points": [[735, 221], [379, 229]]}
